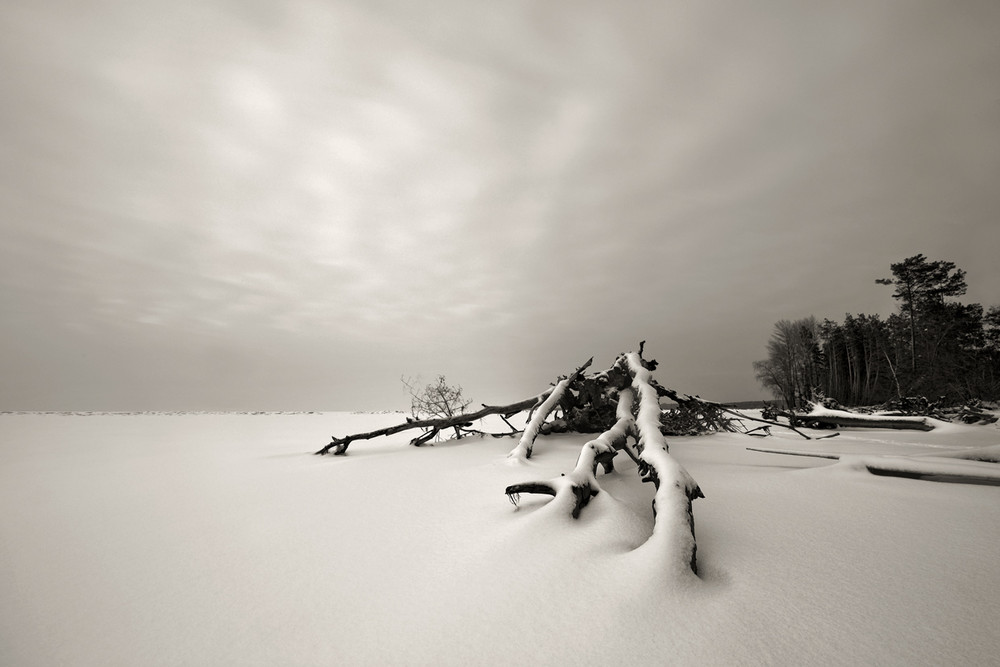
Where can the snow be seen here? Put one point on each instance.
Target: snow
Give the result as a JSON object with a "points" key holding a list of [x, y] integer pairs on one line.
{"points": [[675, 486], [817, 410], [989, 454], [219, 540], [522, 451]]}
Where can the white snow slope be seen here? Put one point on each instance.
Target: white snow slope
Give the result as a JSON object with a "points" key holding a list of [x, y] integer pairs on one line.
{"points": [[219, 540]]}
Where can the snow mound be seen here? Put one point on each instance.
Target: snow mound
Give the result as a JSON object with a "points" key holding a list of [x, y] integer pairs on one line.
{"points": [[990, 454]]}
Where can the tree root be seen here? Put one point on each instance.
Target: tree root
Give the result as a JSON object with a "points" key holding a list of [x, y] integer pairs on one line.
{"points": [[600, 451], [638, 412]]}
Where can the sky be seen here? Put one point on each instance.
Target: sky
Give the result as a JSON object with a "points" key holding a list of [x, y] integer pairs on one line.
{"points": [[243, 205]]}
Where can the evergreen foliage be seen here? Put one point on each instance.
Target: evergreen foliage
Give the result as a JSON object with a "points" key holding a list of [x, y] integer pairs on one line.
{"points": [[933, 346]]}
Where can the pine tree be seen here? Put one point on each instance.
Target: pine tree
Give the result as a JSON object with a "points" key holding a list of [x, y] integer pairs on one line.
{"points": [[921, 286]]}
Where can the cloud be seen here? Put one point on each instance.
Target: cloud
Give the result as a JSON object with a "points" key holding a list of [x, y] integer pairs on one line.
{"points": [[511, 186]]}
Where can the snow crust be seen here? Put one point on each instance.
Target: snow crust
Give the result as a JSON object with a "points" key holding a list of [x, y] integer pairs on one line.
{"points": [[218, 540]]}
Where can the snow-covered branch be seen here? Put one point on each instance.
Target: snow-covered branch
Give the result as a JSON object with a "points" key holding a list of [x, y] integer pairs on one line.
{"points": [[581, 483], [673, 529], [522, 450]]}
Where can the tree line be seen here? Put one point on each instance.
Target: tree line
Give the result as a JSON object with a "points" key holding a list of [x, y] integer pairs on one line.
{"points": [[933, 347]]}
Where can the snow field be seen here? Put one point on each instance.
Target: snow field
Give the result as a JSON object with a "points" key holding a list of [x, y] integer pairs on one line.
{"points": [[218, 540]]}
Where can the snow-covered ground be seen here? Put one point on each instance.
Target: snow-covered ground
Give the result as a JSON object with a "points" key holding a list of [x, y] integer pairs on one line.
{"points": [[218, 539]]}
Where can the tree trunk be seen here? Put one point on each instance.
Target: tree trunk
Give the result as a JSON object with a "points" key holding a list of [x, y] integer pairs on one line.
{"points": [[675, 491], [582, 482], [339, 445], [858, 421], [673, 527]]}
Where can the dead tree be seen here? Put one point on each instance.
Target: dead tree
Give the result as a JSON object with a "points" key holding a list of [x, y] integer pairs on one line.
{"points": [[587, 404], [698, 415], [843, 419], [338, 446], [582, 482], [619, 403], [539, 407], [638, 415]]}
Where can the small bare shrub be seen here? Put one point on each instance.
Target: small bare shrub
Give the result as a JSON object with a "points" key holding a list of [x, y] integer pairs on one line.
{"points": [[436, 400]]}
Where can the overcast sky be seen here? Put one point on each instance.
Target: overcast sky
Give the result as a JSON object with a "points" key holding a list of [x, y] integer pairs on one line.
{"points": [[287, 205]]}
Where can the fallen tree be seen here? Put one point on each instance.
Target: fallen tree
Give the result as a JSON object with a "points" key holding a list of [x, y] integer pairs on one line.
{"points": [[629, 383], [544, 403], [556, 396], [820, 417], [621, 404], [581, 483], [579, 403], [972, 413], [338, 446], [673, 530]]}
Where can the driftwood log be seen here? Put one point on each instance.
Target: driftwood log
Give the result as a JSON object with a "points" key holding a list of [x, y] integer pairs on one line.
{"points": [[830, 419]]}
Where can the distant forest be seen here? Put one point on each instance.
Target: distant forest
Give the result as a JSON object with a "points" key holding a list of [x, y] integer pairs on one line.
{"points": [[934, 347]]}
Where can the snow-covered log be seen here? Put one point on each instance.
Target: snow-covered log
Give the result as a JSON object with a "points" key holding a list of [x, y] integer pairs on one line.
{"points": [[523, 448], [676, 490], [582, 482], [842, 418]]}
